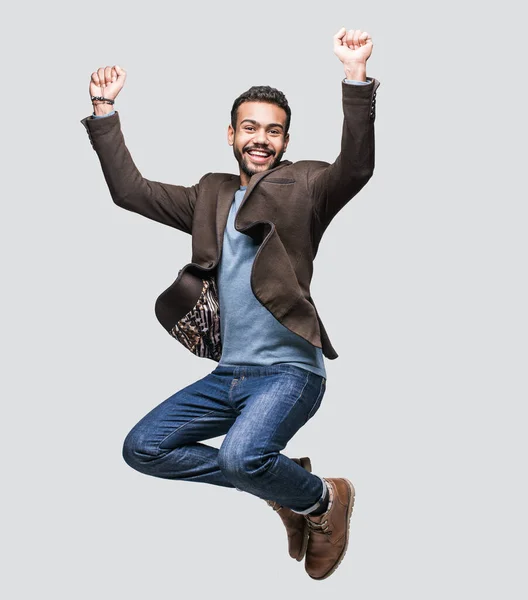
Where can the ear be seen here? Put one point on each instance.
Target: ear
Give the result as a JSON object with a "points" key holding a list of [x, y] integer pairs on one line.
{"points": [[286, 140], [230, 135]]}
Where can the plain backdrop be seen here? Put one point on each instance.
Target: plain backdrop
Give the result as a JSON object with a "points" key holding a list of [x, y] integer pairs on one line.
{"points": [[425, 409]]}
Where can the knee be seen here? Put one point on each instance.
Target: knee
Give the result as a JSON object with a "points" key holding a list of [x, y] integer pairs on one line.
{"points": [[242, 463], [137, 452]]}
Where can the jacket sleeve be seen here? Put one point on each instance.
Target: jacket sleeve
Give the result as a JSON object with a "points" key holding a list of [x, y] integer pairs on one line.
{"points": [[333, 185], [165, 203]]}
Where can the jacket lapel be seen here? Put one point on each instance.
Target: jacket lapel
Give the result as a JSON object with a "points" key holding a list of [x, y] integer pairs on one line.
{"points": [[223, 204], [253, 183], [226, 195]]}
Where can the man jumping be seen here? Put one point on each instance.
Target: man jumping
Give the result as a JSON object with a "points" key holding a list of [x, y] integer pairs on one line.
{"points": [[244, 301]]}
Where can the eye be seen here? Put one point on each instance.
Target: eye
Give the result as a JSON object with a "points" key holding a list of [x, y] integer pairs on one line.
{"points": [[275, 131], [248, 128]]}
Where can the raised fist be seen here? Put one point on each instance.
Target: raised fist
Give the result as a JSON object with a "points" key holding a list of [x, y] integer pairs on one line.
{"points": [[352, 46], [107, 82]]}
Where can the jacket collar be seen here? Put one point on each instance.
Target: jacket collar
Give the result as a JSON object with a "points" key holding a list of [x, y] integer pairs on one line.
{"points": [[256, 178]]}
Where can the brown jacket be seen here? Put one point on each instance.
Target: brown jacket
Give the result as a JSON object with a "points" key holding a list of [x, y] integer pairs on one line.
{"points": [[286, 209]]}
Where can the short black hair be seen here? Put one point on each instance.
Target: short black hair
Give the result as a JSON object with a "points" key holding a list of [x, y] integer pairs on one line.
{"points": [[262, 93]]}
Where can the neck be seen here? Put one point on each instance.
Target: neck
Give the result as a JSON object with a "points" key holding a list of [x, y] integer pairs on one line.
{"points": [[244, 179]]}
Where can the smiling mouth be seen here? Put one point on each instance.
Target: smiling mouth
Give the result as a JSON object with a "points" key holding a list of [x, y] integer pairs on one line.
{"points": [[259, 156]]}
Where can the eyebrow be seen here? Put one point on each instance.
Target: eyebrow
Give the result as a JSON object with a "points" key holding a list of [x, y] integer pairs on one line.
{"points": [[257, 123]]}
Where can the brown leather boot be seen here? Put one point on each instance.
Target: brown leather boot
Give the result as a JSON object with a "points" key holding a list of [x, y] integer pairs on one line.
{"points": [[296, 526], [328, 538]]}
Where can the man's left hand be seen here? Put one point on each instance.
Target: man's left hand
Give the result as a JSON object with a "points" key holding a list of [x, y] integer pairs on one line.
{"points": [[352, 47]]}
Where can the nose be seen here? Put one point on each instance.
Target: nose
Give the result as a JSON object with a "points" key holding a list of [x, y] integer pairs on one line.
{"points": [[260, 137]]}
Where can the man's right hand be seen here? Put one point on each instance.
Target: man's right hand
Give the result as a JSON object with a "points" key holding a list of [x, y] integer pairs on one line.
{"points": [[106, 82]]}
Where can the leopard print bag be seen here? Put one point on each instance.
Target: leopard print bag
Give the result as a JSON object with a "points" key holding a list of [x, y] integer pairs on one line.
{"points": [[199, 329]]}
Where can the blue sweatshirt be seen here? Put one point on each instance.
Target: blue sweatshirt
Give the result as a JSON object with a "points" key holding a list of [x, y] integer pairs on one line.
{"points": [[250, 333]]}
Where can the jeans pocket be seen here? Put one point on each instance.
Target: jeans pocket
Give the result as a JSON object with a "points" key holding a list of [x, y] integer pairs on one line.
{"points": [[318, 400]]}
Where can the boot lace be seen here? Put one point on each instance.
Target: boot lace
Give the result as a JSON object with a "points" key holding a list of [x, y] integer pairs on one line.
{"points": [[321, 527]]}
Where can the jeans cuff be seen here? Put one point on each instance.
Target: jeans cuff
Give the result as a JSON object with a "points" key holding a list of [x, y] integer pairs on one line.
{"points": [[317, 504]]}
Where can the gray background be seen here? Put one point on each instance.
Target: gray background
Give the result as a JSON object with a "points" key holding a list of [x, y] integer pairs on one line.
{"points": [[425, 407]]}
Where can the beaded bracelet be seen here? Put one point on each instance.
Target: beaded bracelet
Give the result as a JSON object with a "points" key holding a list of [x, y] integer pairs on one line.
{"points": [[103, 99]]}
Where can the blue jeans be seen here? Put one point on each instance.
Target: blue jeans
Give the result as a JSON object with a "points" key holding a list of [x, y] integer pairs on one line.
{"points": [[259, 408]]}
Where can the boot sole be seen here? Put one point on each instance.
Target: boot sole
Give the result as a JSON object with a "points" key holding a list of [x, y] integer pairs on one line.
{"points": [[351, 501]]}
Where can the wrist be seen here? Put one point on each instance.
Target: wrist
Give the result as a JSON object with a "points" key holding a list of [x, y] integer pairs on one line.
{"points": [[357, 71], [102, 108]]}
